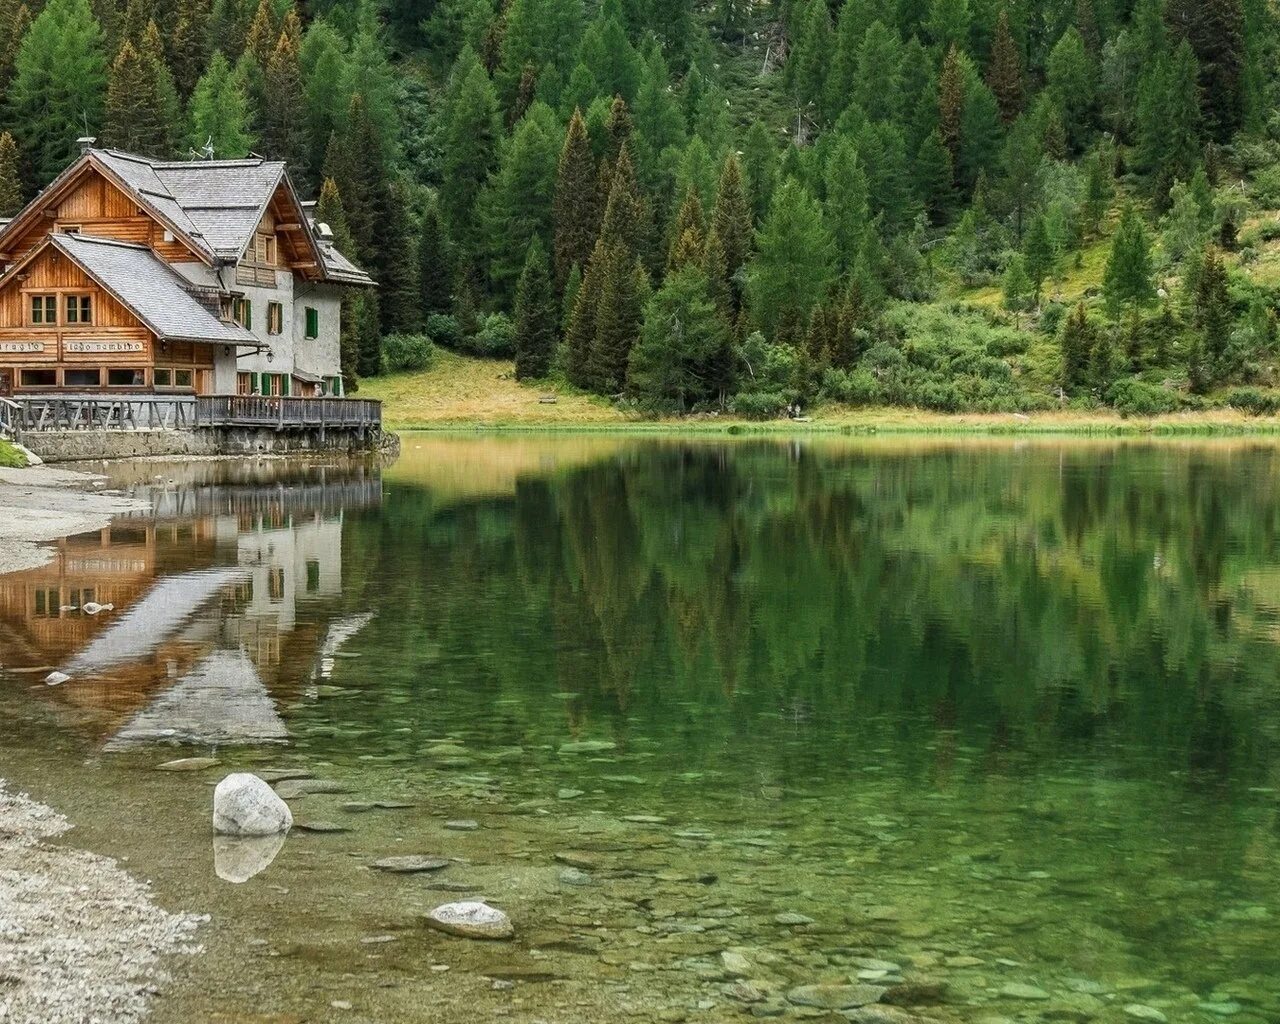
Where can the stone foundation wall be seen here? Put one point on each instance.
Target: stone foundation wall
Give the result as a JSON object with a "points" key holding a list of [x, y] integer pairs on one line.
{"points": [[80, 445]]}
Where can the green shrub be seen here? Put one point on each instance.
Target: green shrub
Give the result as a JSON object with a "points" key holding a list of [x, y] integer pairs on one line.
{"points": [[402, 352], [759, 405], [496, 338], [1133, 397], [443, 329], [1254, 401], [853, 387]]}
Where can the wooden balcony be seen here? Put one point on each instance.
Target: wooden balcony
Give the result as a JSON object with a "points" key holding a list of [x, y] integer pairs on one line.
{"points": [[186, 412]]}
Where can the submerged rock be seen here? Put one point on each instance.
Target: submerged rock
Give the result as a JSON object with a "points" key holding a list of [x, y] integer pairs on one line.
{"points": [[323, 827], [188, 764], [237, 859], [410, 865], [1017, 990], [1139, 1011], [462, 825], [792, 919], [244, 805], [835, 997], [588, 747], [574, 876], [291, 789], [471, 920]]}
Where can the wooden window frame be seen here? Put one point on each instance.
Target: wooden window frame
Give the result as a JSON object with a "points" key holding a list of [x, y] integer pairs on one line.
{"points": [[242, 312], [83, 306], [44, 299], [24, 370], [81, 369], [127, 369], [275, 317]]}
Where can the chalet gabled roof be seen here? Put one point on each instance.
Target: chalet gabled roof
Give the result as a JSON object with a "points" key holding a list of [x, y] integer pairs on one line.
{"points": [[149, 288], [213, 205]]}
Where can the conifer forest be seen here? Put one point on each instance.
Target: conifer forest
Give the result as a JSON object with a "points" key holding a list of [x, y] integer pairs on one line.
{"points": [[958, 205]]}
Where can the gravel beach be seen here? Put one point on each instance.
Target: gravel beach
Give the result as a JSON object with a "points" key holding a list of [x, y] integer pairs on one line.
{"points": [[80, 939], [41, 504]]}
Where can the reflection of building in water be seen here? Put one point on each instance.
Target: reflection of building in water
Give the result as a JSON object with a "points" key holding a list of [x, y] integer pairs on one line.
{"points": [[220, 599]]}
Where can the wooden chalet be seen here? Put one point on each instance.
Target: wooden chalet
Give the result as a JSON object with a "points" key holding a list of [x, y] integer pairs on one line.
{"points": [[128, 275]]}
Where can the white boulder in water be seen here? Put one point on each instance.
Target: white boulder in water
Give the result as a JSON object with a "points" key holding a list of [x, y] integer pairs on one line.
{"points": [[471, 919], [244, 805]]}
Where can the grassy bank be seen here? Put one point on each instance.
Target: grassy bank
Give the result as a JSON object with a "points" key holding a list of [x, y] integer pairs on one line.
{"points": [[10, 457], [478, 394]]}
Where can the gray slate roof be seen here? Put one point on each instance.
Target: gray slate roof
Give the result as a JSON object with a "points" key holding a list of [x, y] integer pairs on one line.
{"points": [[152, 290], [219, 203]]}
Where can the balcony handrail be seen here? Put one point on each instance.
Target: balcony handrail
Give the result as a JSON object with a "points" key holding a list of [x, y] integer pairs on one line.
{"points": [[186, 412]]}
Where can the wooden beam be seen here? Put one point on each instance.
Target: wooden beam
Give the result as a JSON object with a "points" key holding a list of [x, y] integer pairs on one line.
{"points": [[289, 226]]}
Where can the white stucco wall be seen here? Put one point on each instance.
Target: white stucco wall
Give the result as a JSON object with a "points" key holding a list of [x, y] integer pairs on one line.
{"points": [[290, 350]]}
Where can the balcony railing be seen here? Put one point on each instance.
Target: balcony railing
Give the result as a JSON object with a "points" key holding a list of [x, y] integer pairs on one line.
{"points": [[187, 412]]}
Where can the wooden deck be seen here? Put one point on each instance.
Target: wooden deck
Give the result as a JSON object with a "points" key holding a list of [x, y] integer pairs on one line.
{"points": [[186, 412]]}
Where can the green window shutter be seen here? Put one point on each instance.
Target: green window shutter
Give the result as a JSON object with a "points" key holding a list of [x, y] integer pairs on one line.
{"points": [[284, 384], [248, 315], [255, 384], [313, 322]]}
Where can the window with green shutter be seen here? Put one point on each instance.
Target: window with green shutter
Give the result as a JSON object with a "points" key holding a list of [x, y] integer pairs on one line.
{"points": [[313, 322], [284, 384], [255, 384]]}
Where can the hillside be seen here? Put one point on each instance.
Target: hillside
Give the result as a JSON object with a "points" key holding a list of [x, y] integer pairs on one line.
{"points": [[734, 208]]}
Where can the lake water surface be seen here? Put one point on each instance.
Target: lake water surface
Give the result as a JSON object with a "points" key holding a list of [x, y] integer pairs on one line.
{"points": [[991, 725]]}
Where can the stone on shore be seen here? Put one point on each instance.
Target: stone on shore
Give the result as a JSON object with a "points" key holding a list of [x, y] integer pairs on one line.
{"points": [[471, 920], [244, 805]]}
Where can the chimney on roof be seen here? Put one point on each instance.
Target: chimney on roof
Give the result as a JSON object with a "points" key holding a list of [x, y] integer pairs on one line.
{"points": [[85, 142]]}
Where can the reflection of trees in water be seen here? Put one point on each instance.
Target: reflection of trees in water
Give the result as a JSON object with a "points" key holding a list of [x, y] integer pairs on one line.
{"points": [[1048, 599]]}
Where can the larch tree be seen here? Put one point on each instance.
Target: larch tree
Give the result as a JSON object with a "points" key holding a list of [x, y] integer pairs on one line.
{"points": [[218, 112], [672, 364], [471, 129], [59, 86], [732, 220], [795, 259], [951, 97], [535, 315], [1076, 341]]}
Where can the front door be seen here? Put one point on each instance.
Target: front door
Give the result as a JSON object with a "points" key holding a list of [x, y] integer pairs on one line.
{"points": [[6, 383]]}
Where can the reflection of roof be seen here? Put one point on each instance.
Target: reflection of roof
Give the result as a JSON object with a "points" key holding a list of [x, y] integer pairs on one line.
{"points": [[150, 289], [221, 700], [140, 630]]}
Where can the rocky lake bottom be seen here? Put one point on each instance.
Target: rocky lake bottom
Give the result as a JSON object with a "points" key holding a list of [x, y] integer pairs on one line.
{"points": [[695, 797]]}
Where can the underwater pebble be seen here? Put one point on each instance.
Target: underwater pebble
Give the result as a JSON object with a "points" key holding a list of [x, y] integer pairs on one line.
{"points": [[410, 864], [1017, 990], [1139, 1011]]}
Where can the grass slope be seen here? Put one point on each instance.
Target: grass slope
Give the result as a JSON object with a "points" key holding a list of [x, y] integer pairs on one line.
{"points": [[10, 457], [481, 394]]}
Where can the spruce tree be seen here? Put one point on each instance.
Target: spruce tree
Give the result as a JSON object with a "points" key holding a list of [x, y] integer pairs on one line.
{"points": [[10, 182], [15, 19], [133, 119], [688, 232], [535, 316], [576, 208], [1212, 312], [1127, 278], [619, 308], [934, 177], [581, 328], [189, 45], [1016, 285], [846, 211], [59, 85], [732, 217], [1004, 70], [1077, 341], [435, 273], [1070, 74], [1038, 251], [673, 363], [951, 97], [394, 264]]}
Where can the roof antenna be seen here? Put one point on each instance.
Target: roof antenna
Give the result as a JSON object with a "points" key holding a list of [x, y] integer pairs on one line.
{"points": [[205, 152]]}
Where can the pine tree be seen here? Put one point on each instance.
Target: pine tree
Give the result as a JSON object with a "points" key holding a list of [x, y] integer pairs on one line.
{"points": [[732, 217], [1070, 74], [847, 211], [1077, 344], [10, 182], [581, 329], [435, 273], [576, 208], [535, 316], [283, 133], [219, 112], [1127, 278], [15, 19], [1104, 363], [1004, 70], [59, 85], [794, 262], [948, 24]]}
